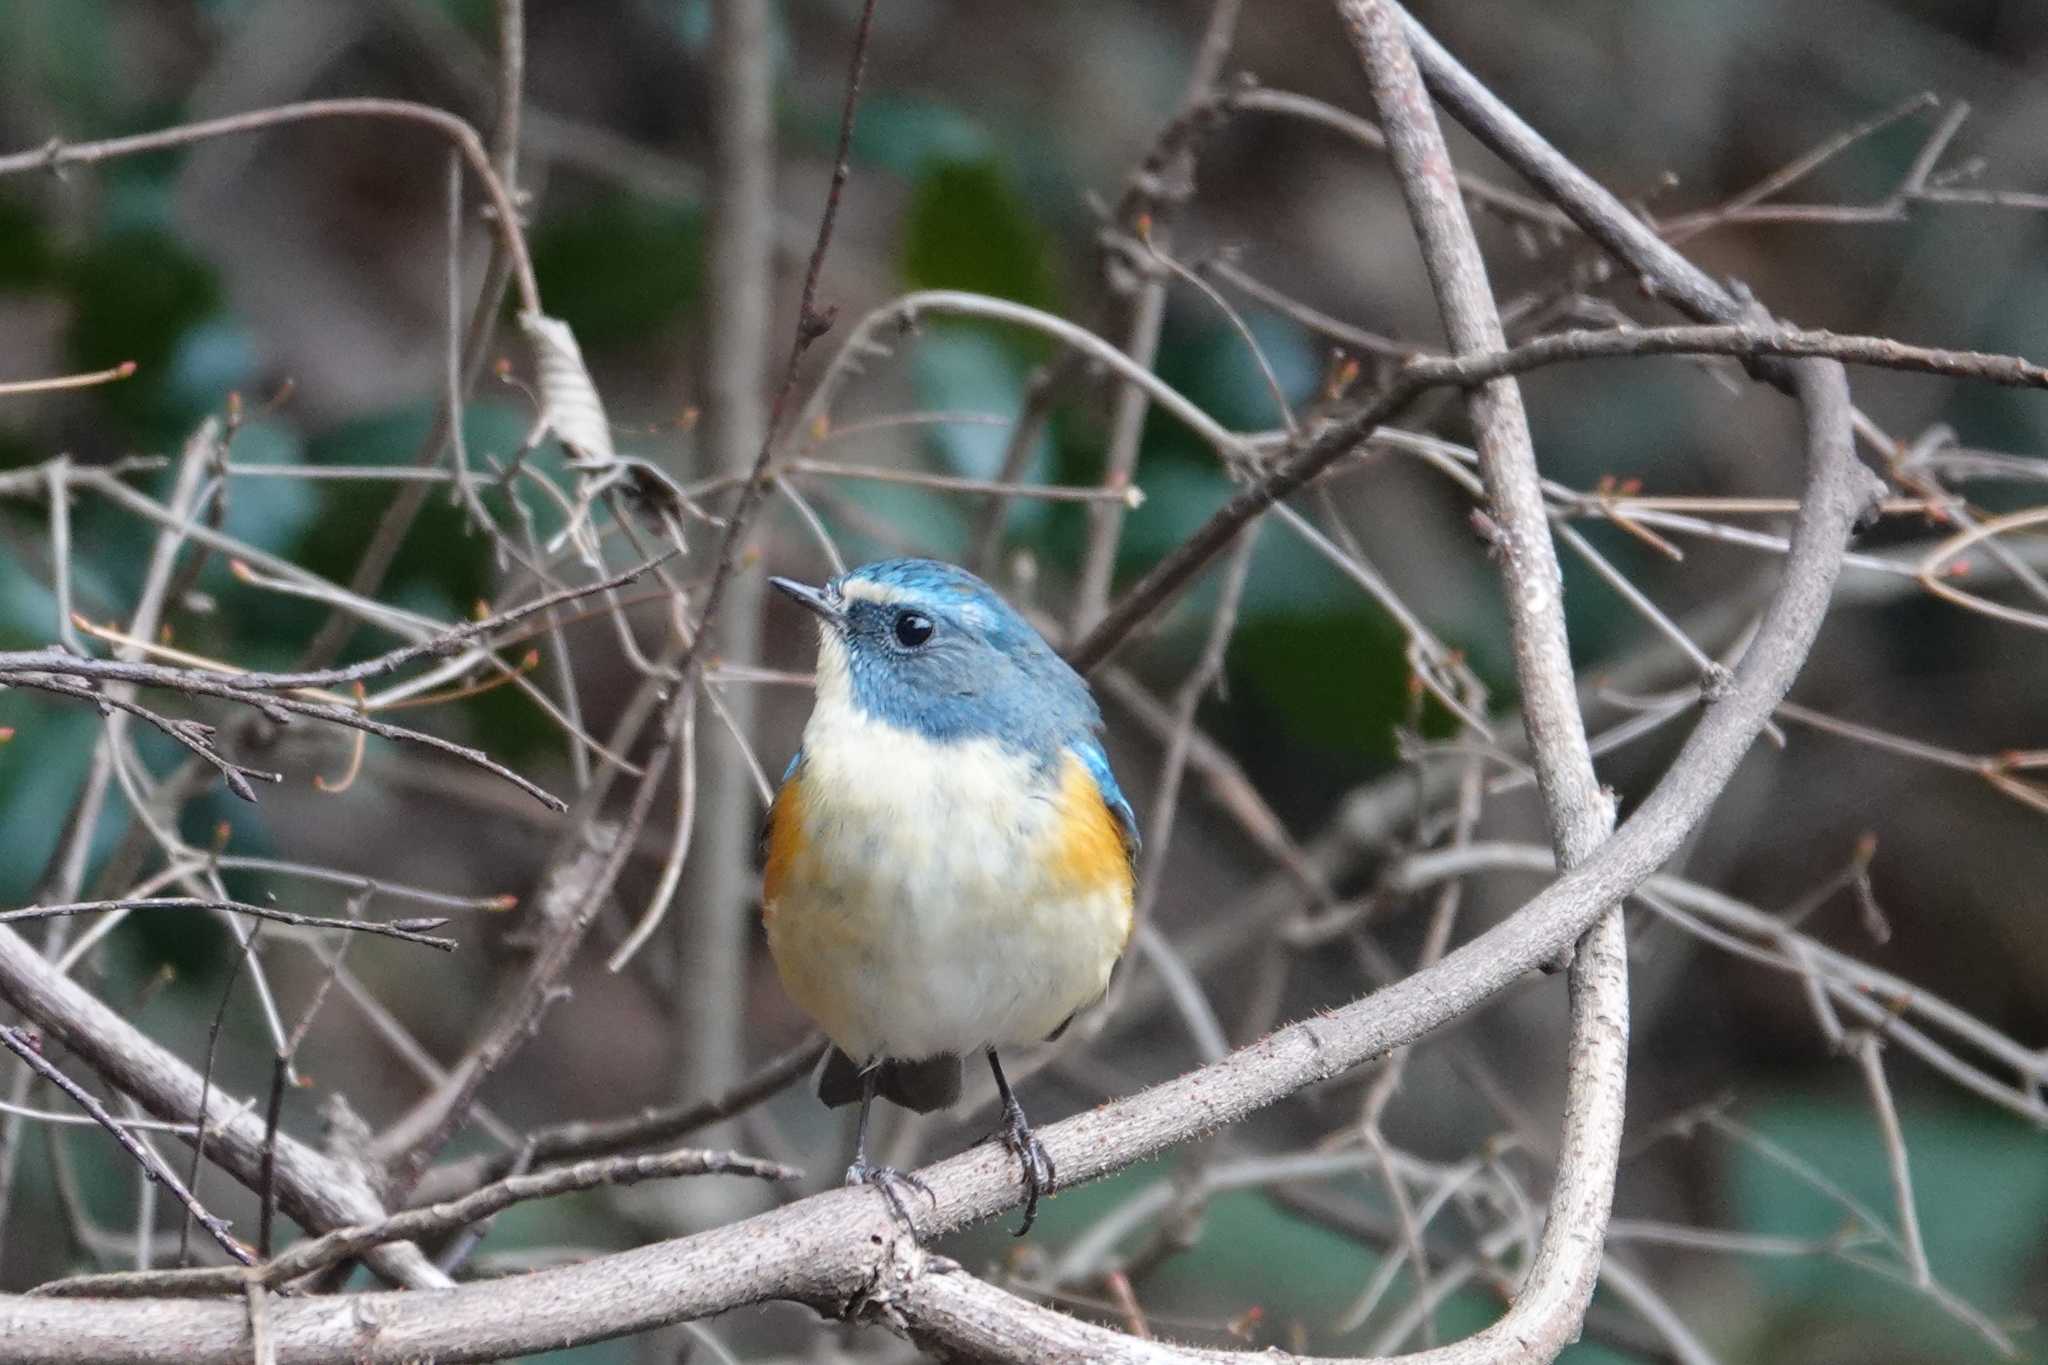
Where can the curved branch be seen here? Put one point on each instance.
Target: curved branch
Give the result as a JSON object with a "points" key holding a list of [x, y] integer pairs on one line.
{"points": [[56, 154], [1551, 1302], [833, 1247], [318, 1190]]}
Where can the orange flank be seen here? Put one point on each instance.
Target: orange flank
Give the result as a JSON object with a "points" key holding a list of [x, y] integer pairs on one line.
{"points": [[785, 841], [1092, 852]]}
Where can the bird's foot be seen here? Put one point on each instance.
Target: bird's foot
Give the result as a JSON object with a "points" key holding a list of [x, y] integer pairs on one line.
{"points": [[892, 1183], [1039, 1174]]}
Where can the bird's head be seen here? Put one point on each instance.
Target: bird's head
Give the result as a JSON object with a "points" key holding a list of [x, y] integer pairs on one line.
{"points": [[930, 648]]}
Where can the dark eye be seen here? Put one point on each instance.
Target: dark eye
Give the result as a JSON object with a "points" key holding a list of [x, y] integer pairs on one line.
{"points": [[913, 628]]}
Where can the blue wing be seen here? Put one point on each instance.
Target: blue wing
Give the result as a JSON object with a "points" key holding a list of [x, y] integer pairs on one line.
{"points": [[1097, 762]]}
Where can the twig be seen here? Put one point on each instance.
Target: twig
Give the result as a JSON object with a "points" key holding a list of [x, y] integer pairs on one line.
{"points": [[420, 1224], [409, 931], [685, 721], [315, 1189], [1131, 496], [227, 993], [445, 642], [1337, 440], [266, 1179], [1867, 1051], [152, 1165], [57, 154], [1157, 189], [602, 1137], [36, 668], [709, 1006], [12, 387]]}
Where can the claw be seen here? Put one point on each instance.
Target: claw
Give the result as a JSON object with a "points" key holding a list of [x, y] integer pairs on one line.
{"points": [[892, 1182], [1036, 1162]]}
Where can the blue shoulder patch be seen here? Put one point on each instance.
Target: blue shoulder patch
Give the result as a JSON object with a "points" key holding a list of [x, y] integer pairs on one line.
{"points": [[1097, 762]]}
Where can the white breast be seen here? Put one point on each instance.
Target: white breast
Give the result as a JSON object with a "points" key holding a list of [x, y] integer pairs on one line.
{"points": [[920, 916]]}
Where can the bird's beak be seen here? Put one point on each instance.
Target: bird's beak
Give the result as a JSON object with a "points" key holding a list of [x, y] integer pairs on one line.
{"points": [[811, 598]]}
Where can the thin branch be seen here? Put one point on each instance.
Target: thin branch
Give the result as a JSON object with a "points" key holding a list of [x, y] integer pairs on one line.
{"points": [[89, 379], [444, 643], [420, 1224], [36, 668], [602, 1137], [825, 1249], [1157, 188], [1869, 1056], [1339, 439], [317, 1190], [1551, 1303], [56, 155], [410, 931], [145, 1156]]}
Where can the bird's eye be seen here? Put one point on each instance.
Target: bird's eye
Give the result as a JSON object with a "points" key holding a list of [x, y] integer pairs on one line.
{"points": [[913, 628]]}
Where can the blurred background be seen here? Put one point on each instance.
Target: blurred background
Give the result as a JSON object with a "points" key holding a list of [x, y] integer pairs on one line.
{"points": [[303, 270]]}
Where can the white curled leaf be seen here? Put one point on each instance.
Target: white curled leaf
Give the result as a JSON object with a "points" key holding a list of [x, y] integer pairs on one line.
{"points": [[569, 400]]}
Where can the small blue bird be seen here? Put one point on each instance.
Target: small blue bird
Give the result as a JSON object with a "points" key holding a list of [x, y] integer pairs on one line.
{"points": [[949, 865]]}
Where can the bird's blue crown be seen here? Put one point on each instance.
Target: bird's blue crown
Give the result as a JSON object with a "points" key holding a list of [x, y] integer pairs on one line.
{"points": [[933, 649], [929, 648]]}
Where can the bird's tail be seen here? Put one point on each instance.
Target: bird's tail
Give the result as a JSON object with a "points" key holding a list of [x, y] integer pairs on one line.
{"points": [[933, 1083]]}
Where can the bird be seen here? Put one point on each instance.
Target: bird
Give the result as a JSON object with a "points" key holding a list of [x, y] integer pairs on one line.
{"points": [[949, 865]]}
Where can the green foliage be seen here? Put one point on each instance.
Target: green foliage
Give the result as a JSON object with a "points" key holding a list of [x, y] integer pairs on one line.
{"points": [[139, 294], [1334, 681], [979, 370], [66, 52], [905, 135], [440, 558], [1982, 1191], [619, 267], [40, 771], [27, 257], [968, 228]]}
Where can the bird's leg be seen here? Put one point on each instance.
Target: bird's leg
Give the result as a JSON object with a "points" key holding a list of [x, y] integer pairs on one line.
{"points": [[1018, 1137], [887, 1179]]}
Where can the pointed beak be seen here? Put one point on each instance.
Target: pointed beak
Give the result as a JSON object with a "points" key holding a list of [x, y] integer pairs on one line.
{"points": [[811, 598]]}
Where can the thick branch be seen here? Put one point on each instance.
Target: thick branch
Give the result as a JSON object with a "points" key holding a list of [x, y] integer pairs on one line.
{"points": [[1552, 1301], [318, 1191], [825, 1249]]}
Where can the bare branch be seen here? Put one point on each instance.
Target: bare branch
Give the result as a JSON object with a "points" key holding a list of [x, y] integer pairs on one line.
{"points": [[315, 1189], [419, 1224], [601, 1137], [409, 931], [1157, 188], [145, 1156], [57, 154]]}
